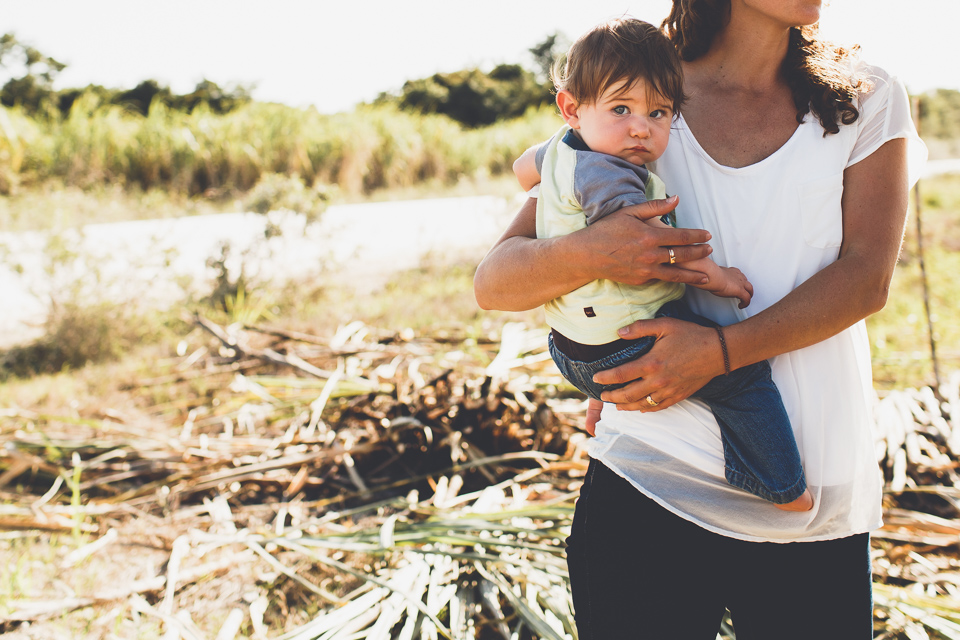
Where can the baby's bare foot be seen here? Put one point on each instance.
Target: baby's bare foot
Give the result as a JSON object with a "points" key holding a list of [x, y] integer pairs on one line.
{"points": [[803, 503]]}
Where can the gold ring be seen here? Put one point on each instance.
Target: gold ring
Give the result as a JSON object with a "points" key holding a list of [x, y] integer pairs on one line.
{"points": [[651, 401], [673, 256]]}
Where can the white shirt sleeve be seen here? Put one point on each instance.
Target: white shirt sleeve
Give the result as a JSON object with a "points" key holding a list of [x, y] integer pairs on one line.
{"points": [[884, 116]]}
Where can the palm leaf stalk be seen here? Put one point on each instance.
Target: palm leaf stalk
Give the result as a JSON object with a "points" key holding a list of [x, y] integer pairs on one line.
{"points": [[369, 486]]}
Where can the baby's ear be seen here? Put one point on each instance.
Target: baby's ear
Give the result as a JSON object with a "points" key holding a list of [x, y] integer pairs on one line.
{"points": [[569, 108]]}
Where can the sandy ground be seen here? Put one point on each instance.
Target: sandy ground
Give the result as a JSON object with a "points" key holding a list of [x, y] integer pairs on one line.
{"points": [[157, 262]]}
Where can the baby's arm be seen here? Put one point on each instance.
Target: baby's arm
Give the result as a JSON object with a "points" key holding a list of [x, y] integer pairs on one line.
{"points": [[726, 282], [525, 168]]}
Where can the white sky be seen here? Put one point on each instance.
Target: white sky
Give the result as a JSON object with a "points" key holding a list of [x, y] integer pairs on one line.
{"points": [[334, 54]]}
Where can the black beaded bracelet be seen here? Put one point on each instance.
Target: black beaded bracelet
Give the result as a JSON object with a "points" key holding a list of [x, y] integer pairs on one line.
{"points": [[726, 356]]}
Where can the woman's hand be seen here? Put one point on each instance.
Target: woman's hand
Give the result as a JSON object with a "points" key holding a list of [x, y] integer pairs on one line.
{"points": [[685, 357], [632, 252]]}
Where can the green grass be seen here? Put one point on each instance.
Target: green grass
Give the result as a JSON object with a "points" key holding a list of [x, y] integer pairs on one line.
{"points": [[216, 156]]}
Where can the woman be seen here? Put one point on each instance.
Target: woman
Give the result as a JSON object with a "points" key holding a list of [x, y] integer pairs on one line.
{"points": [[795, 161]]}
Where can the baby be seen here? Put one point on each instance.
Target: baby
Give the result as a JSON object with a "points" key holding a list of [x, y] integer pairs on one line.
{"points": [[619, 89]]}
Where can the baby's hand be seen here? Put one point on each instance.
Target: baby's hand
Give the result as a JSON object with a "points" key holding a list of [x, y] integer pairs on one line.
{"points": [[731, 284]]}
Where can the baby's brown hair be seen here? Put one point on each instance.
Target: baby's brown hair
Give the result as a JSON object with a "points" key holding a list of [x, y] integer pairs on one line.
{"points": [[621, 52]]}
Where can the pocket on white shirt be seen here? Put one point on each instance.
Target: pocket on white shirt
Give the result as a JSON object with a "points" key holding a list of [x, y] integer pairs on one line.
{"points": [[820, 211]]}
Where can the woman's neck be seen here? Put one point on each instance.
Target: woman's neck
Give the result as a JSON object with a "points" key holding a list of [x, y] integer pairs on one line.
{"points": [[739, 105], [746, 55]]}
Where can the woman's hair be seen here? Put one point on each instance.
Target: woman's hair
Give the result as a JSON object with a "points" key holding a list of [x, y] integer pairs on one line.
{"points": [[620, 52], [819, 73]]}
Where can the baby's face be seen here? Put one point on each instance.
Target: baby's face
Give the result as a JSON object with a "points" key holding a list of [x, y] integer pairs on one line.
{"points": [[633, 125]]}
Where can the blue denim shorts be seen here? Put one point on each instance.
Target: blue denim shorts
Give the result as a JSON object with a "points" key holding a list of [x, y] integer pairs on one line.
{"points": [[759, 450], [580, 374]]}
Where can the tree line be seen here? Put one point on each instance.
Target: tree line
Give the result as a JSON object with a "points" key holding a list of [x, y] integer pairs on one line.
{"points": [[34, 93], [471, 97]]}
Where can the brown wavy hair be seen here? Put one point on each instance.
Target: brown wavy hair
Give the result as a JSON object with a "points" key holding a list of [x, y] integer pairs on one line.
{"points": [[818, 72]]}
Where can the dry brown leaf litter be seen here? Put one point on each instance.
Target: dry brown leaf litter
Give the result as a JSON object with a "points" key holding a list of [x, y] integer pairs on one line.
{"points": [[263, 437]]}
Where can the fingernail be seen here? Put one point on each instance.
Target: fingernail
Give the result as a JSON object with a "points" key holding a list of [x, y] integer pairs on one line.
{"points": [[622, 331]]}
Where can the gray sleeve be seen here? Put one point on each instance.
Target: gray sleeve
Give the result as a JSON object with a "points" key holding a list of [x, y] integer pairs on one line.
{"points": [[603, 184], [541, 152]]}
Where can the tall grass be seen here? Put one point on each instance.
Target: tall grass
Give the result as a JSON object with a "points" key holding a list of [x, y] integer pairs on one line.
{"points": [[899, 333], [202, 152]]}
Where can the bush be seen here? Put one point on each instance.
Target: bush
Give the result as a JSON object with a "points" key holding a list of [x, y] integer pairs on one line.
{"points": [[474, 98], [277, 191], [76, 335]]}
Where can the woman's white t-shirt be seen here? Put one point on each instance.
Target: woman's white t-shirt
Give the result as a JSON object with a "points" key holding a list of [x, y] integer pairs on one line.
{"points": [[779, 221]]}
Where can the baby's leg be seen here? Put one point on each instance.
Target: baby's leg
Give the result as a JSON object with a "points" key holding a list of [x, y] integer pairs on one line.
{"points": [[759, 449], [803, 503]]}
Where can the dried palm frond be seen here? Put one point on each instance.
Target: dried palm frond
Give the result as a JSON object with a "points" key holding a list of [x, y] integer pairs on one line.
{"points": [[381, 485]]}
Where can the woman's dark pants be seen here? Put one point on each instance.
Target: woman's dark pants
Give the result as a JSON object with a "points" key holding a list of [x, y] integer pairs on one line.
{"points": [[640, 571]]}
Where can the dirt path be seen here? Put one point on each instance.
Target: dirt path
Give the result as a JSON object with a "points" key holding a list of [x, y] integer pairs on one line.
{"points": [[158, 261]]}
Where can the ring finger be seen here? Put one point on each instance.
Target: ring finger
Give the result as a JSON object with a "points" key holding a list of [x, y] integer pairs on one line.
{"points": [[659, 399]]}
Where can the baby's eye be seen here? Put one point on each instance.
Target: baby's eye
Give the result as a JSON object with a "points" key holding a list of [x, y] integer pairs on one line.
{"points": [[658, 113], [621, 110]]}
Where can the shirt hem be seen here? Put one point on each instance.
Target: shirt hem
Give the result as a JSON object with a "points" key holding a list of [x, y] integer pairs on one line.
{"points": [[599, 456]]}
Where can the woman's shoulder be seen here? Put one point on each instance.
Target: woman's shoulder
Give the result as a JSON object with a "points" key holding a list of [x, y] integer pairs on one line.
{"points": [[874, 81], [863, 69], [885, 114], [878, 91]]}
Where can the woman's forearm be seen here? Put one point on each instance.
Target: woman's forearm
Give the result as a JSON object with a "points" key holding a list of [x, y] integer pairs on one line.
{"points": [[522, 272], [856, 285], [834, 299], [686, 356]]}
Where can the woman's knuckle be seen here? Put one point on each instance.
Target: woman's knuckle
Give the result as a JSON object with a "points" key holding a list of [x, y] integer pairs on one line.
{"points": [[654, 368], [619, 377]]}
